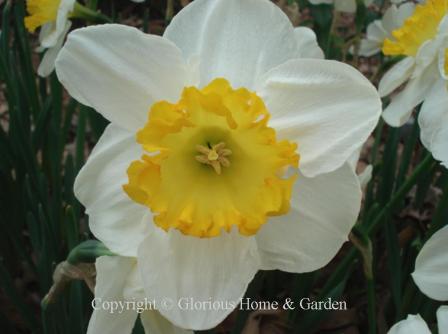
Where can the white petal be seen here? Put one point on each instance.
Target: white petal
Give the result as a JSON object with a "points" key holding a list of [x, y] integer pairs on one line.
{"points": [[388, 22], [396, 76], [45, 30], [404, 11], [347, 6], [433, 121], [133, 288], [439, 148], [426, 56], [176, 267], [324, 209], [46, 66], [400, 108], [307, 43], [328, 107], [431, 266], [50, 38], [375, 31], [235, 39], [120, 71], [111, 276], [414, 324], [368, 48], [154, 323], [114, 218], [442, 319]]}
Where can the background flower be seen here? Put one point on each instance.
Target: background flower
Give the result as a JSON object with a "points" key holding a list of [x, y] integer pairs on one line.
{"points": [[379, 30]]}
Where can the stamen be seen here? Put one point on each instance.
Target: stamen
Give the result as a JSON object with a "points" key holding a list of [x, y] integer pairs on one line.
{"points": [[214, 156]]}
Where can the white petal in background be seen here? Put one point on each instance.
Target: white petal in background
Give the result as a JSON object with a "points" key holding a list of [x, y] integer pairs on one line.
{"points": [[374, 39], [47, 64], [402, 105], [327, 107], [433, 121], [120, 71], [404, 11], [175, 266], [235, 39], [414, 324], [431, 266], [49, 37], [396, 76], [324, 210], [114, 218], [110, 281]]}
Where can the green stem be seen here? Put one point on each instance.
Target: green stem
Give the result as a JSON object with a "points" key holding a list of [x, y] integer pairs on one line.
{"points": [[420, 170], [87, 252], [83, 12]]}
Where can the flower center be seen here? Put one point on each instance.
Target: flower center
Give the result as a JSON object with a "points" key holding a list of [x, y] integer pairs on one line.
{"points": [[417, 29], [40, 12], [212, 163], [216, 156]]}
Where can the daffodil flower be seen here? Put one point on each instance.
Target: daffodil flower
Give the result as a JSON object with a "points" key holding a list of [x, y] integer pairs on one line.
{"points": [[198, 175], [423, 40], [431, 276], [118, 301], [347, 6], [379, 30], [52, 16]]}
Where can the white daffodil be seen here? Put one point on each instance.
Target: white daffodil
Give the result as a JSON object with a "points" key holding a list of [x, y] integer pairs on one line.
{"points": [[195, 174], [431, 276], [379, 30], [431, 266], [118, 301], [347, 6], [53, 18], [423, 40], [414, 324]]}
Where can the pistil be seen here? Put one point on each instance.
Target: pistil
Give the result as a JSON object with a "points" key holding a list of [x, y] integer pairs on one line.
{"points": [[215, 156]]}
